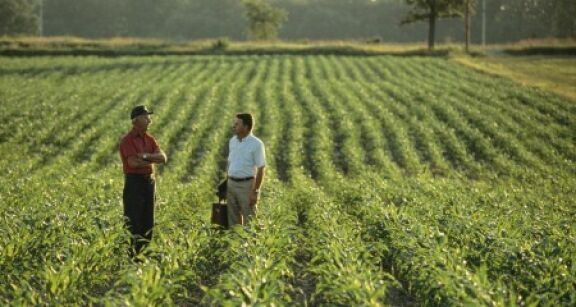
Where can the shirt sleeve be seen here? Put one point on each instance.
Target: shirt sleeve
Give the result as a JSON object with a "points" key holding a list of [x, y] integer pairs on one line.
{"points": [[155, 147], [260, 155], [126, 149]]}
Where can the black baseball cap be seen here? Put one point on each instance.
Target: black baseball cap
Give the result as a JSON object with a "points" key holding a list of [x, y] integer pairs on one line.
{"points": [[139, 110]]}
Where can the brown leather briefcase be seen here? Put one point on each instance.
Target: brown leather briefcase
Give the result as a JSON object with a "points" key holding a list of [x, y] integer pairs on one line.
{"points": [[220, 214]]}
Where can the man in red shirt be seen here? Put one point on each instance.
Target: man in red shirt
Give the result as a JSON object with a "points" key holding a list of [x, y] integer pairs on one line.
{"points": [[139, 151]]}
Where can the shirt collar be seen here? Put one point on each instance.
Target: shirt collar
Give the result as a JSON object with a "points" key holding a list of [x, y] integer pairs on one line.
{"points": [[134, 133], [245, 138]]}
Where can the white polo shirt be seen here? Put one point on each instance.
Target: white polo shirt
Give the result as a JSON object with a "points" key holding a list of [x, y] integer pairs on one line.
{"points": [[245, 156]]}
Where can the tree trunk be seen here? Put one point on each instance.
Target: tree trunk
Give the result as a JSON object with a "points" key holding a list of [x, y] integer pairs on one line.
{"points": [[432, 25]]}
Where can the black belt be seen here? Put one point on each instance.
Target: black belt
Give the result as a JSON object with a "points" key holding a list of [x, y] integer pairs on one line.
{"points": [[138, 176], [240, 179]]}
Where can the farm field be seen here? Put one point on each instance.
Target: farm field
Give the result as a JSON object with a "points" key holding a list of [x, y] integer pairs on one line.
{"points": [[390, 181]]}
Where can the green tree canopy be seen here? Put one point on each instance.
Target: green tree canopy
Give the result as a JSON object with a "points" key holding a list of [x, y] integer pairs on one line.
{"points": [[432, 10], [372, 20], [264, 19], [18, 17]]}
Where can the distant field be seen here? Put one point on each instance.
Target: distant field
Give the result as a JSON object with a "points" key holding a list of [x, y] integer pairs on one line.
{"points": [[553, 73], [391, 181]]}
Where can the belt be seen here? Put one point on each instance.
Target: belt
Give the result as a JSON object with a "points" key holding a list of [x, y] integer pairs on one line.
{"points": [[240, 179], [138, 175]]}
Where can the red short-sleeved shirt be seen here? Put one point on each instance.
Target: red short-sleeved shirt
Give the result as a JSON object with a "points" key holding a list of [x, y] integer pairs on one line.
{"points": [[132, 144]]}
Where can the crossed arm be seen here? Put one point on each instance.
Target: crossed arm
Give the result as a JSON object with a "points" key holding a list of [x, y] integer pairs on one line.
{"points": [[138, 161]]}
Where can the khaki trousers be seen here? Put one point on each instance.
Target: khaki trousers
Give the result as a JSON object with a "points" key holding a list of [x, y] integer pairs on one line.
{"points": [[238, 197]]}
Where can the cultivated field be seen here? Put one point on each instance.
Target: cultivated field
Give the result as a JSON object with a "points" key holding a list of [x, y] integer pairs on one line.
{"points": [[391, 181]]}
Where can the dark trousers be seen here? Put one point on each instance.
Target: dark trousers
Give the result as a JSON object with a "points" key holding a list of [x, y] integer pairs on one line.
{"points": [[139, 197]]}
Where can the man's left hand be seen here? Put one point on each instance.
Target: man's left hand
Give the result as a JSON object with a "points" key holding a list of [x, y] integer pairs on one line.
{"points": [[253, 198]]}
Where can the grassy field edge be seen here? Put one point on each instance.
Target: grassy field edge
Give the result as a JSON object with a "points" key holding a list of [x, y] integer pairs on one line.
{"points": [[535, 79]]}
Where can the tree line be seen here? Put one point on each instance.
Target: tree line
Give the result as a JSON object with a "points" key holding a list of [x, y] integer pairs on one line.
{"points": [[376, 20]]}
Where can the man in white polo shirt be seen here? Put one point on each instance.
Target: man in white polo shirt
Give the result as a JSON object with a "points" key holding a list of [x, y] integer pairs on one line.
{"points": [[246, 162]]}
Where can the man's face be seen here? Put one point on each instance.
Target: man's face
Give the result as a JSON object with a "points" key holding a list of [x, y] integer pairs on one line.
{"points": [[142, 121], [238, 127]]}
